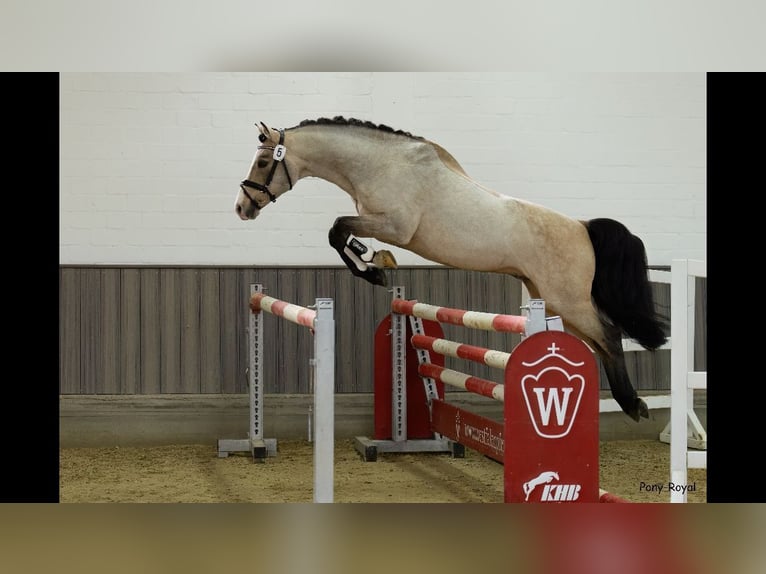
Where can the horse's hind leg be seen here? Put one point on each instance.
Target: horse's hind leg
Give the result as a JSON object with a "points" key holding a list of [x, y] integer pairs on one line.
{"points": [[339, 234], [583, 320], [606, 340], [613, 359]]}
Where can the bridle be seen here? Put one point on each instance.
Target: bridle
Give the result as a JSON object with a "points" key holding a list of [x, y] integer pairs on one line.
{"points": [[279, 155]]}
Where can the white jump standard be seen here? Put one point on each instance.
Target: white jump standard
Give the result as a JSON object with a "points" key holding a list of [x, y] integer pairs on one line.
{"points": [[322, 324], [684, 377], [258, 446]]}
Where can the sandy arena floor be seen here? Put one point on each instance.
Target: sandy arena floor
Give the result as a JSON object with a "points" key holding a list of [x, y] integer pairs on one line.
{"points": [[194, 473]]}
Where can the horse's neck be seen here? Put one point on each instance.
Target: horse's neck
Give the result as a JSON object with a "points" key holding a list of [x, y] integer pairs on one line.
{"points": [[340, 156]]}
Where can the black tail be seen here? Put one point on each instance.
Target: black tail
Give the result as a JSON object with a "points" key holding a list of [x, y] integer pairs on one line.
{"points": [[621, 288]]}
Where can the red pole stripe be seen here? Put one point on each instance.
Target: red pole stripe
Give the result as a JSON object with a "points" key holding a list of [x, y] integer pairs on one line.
{"points": [[450, 316], [255, 302], [604, 496], [278, 308], [402, 307], [510, 324], [474, 384]]}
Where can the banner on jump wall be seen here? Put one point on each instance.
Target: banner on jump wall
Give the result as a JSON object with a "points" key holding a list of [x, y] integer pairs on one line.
{"points": [[551, 421]]}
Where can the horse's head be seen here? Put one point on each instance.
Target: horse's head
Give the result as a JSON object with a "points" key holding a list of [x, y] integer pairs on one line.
{"points": [[264, 183]]}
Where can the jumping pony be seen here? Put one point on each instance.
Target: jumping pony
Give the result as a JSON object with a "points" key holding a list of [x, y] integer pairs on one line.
{"points": [[411, 193]]}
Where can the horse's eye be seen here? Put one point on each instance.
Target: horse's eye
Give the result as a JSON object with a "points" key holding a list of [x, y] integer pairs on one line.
{"points": [[263, 162]]}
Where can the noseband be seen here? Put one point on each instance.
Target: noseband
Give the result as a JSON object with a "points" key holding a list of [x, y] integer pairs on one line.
{"points": [[279, 155]]}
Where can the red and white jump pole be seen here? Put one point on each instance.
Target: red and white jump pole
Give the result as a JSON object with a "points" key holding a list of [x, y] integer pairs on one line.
{"points": [[293, 313], [470, 319], [496, 359]]}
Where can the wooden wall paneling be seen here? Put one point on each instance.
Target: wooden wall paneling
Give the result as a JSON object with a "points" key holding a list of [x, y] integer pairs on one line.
{"points": [[231, 320], [381, 297], [326, 283], [357, 317], [305, 296], [288, 335], [418, 286], [438, 287], [170, 331], [700, 321], [242, 321], [344, 333], [458, 296], [70, 325], [91, 344], [111, 321], [150, 331], [130, 328], [210, 331], [190, 344]]}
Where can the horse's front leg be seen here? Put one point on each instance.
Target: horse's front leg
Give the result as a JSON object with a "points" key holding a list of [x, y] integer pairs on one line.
{"points": [[361, 260]]}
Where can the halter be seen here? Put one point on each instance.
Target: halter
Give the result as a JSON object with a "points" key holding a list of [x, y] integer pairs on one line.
{"points": [[279, 155]]}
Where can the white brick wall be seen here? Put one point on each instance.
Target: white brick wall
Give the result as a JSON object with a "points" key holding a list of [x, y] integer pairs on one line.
{"points": [[150, 163]]}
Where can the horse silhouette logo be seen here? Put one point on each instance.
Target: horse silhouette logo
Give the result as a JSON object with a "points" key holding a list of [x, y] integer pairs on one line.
{"points": [[542, 478]]}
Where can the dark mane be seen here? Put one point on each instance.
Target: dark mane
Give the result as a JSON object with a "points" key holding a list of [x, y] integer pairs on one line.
{"points": [[341, 121]]}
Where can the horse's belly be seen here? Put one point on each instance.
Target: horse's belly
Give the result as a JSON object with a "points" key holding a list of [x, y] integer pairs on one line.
{"points": [[474, 251]]}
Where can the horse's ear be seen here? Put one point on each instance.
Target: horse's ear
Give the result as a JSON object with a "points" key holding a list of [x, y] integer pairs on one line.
{"points": [[264, 135]]}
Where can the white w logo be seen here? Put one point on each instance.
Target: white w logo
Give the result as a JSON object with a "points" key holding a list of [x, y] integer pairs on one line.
{"points": [[560, 402], [553, 401]]}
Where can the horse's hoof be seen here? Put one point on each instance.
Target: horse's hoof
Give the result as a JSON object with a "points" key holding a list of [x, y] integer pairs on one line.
{"points": [[384, 259], [639, 411], [376, 277]]}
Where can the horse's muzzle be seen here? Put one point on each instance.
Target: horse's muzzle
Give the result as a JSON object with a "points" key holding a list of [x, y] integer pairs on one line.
{"points": [[247, 212]]}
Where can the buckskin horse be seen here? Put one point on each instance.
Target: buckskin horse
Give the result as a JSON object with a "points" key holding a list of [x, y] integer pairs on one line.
{"points": [[411, 193]]}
